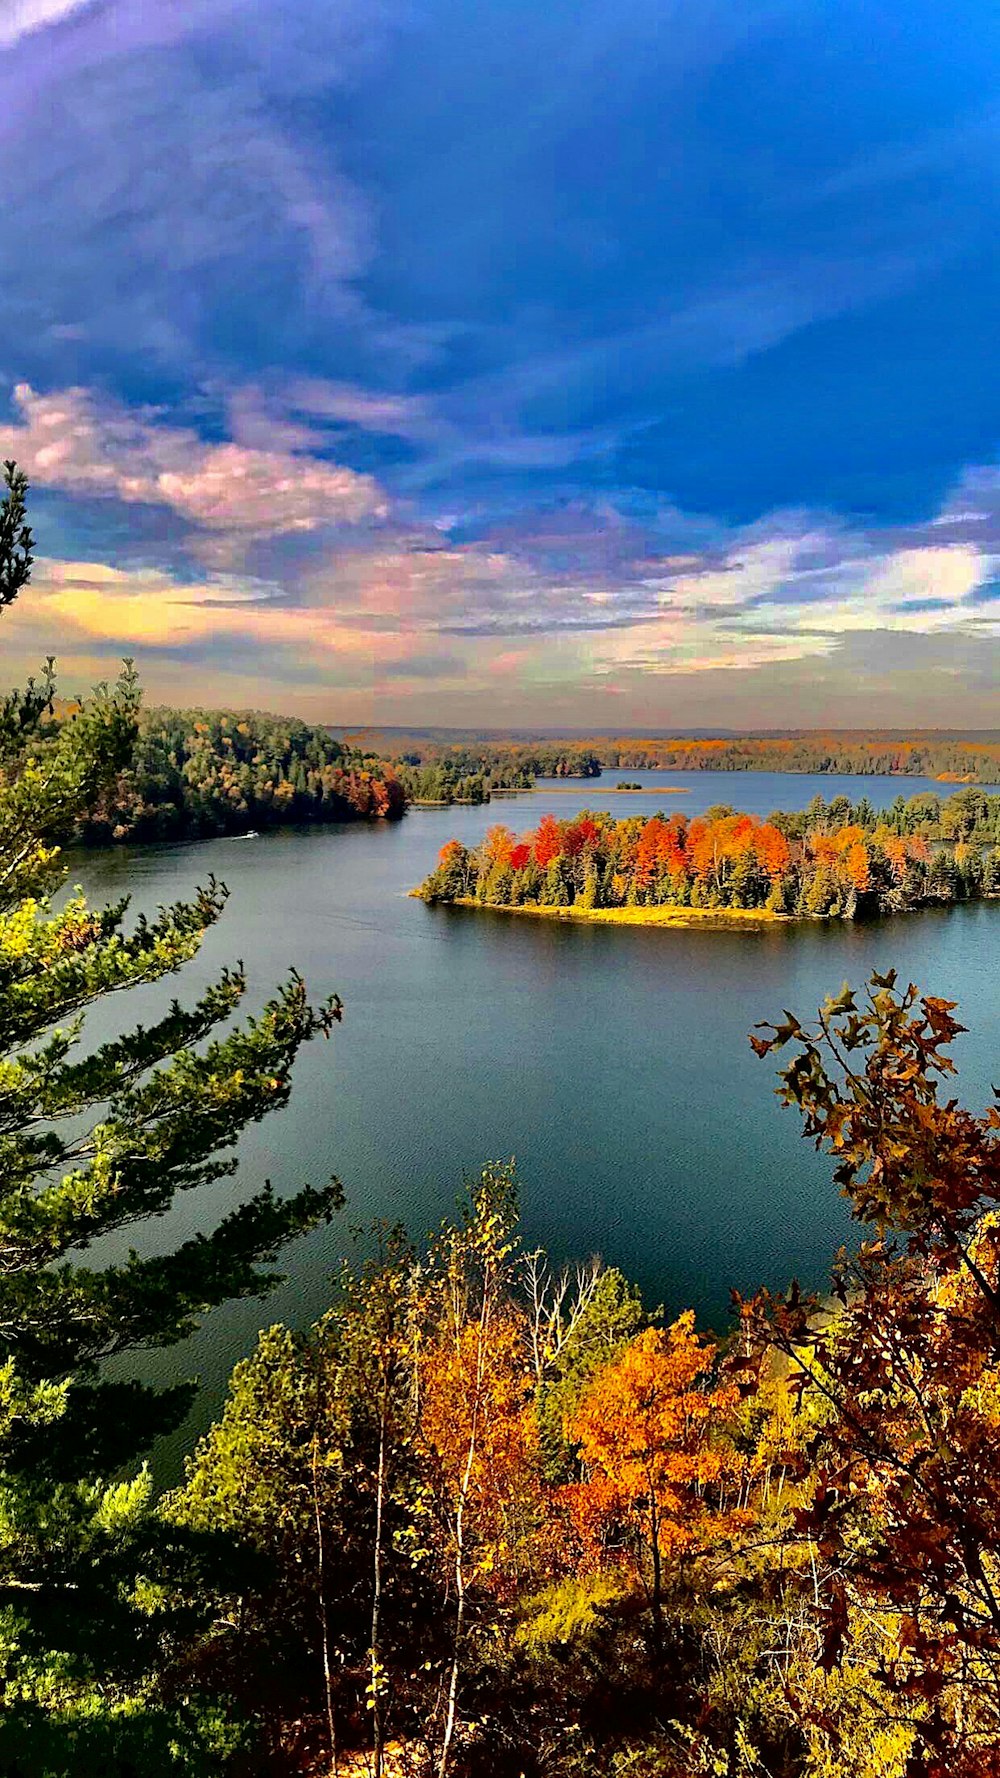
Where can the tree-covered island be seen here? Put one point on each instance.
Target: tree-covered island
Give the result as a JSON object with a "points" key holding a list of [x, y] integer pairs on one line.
{"points": [[832, 860]]}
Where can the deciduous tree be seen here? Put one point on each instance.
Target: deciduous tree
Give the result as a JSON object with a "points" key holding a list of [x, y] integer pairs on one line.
{"points": [[904, 1499]]}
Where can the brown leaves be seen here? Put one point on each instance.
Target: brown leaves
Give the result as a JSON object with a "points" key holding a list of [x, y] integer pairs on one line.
{"points": [[865, 1080], [904, 1503]]}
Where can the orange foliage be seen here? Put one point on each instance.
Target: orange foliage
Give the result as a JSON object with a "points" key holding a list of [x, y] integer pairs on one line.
{"points": [[897, 853], [647, 1427], [856, 866], [476, 1411], [846, 837], [771, 849], [498, 846], [647, 853]]}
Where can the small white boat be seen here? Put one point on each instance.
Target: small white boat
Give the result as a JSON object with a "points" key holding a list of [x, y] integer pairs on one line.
{"points": [[252, 834]]}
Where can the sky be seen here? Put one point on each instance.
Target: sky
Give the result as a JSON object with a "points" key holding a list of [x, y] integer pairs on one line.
{"points": [[612, 364]]}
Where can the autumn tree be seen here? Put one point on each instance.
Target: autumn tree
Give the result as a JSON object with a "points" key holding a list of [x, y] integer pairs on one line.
{"points": [[904, 1498], [387, 1466], [826, 861], [547, 845], [654, 1459], [476, 1429], [313, 1466]]}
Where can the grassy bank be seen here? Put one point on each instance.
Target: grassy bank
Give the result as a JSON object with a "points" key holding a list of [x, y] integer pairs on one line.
{"points": [[634, 916]]}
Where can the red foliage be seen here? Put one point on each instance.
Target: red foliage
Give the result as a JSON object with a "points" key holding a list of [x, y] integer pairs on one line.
{"points": [[548, 843]]}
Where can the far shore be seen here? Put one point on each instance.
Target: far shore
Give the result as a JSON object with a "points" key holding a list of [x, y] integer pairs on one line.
{"points": [[634, 916], [613, 790]]}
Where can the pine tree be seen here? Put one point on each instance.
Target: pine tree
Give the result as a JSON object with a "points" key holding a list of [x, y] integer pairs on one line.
{"points": [[93, 1143]]}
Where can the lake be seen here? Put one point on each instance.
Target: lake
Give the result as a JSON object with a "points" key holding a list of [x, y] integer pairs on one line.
{"points": [[611, 1061]]}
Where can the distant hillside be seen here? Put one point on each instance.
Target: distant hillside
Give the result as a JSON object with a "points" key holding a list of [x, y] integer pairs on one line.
{"points": [[955, 756]]}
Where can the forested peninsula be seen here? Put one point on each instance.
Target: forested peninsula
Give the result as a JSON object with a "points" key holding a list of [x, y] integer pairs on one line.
{"points": [[195, 774], [836, 860], [199, 774]]}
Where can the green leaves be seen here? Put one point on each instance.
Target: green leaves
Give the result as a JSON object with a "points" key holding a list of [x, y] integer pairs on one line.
{"points": [[96, 1587], [16, 541]]}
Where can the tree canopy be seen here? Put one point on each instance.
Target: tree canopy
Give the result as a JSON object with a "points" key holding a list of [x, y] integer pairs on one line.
{"points": [[830, 860]]}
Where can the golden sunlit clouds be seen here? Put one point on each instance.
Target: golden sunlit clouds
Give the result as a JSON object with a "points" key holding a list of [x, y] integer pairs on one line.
{"points": [[140, 607], [87, 613], [424, 619], [276, 569]]}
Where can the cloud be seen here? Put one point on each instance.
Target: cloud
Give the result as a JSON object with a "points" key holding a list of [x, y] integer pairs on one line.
{"points": [[167, 210], [72, 441], [345, 404], [223, 640], [921, 589], [18, 18], [329, 585], [149, 613]]}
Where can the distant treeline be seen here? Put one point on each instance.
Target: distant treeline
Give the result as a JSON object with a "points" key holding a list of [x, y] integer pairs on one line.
{"points": [[508, 766], [461, 780], [830, 860], [197, 773], [961, 758]]}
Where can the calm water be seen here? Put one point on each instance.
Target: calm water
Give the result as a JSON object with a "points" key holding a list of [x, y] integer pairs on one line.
{"points": [[613, 1063]]}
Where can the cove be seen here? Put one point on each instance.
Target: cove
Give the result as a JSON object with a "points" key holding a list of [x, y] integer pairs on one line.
{"points": [[611, 1061]]}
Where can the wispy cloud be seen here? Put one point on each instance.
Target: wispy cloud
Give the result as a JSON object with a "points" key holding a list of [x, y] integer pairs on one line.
{"points": [[18, 18], [161, 189]]}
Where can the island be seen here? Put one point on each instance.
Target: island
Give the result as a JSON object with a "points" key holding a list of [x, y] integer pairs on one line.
{"points": [[829, 861]]}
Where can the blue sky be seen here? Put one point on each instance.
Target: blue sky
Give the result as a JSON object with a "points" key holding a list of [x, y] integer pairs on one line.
{"points": [[622, 363]]}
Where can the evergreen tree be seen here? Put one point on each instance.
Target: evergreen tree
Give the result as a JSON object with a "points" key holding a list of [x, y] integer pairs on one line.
{"points": [[93, 1143]]}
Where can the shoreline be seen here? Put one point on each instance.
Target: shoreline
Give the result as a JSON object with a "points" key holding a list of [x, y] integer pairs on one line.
{"points": [[635, 916], [610, 789]]}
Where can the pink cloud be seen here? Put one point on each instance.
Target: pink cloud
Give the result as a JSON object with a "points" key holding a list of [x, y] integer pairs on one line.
{"points": [[70, 440], [509, 661], [346, 404]]}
